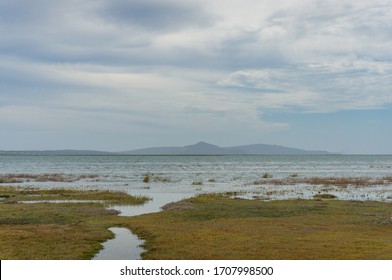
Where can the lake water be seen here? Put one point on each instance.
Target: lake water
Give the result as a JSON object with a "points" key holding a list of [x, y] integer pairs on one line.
{"points": [[174, 177]]}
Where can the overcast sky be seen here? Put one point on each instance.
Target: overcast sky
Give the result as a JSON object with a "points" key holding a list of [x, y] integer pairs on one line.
{"points": [[123, 74]]}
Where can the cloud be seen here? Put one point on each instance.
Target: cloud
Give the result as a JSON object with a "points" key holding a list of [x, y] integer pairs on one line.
{"points": [[156, 15], [340, 83], [209, 65]]}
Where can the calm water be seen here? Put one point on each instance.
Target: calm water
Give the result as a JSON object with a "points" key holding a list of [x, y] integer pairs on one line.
{"points": [[174, 176], [126, 246]]}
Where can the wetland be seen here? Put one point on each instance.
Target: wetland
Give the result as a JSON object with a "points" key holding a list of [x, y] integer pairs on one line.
{"points": [[306, 207]]}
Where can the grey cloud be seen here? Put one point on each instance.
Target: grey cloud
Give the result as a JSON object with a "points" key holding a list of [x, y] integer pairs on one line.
{"points": [[156, 15], [20, 12], [341, 83]]}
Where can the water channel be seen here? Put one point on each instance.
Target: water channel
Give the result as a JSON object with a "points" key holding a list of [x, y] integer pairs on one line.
{"points": [[126, 245]]}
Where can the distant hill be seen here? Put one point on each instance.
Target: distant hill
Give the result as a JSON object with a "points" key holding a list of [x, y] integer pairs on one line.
{"points": [[196, 149], [55, 152], [200, 148], [264, 149], [203, 148]]}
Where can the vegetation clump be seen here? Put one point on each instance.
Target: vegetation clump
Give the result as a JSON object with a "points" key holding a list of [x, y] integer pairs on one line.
{"points": [[150, 177], [324, 196], [197, 183], [146, 178]]}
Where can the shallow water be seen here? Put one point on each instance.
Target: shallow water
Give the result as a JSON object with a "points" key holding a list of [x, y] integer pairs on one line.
{"points": [[177, 174], [154, 205], [125, 246]]}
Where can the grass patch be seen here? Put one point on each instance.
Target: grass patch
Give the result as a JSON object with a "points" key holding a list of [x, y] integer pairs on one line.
{"points": [[57, 231], [266, 175], [197, 183], [324, 196], [15, 194], [325, 181], [150, 177], [217, 227], [47, 177], [146, 178]]}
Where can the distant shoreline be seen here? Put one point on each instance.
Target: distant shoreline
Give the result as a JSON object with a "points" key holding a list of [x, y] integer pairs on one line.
{"points": [[5, 153]]}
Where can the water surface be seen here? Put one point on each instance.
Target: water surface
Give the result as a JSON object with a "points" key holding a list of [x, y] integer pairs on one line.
{"points": [[176, 175]]}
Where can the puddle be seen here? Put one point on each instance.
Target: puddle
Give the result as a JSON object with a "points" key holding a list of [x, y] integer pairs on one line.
{"points": [[125, 246]]}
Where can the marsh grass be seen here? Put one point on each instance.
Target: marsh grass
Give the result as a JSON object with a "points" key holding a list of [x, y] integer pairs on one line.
{"points": [[326, 181], [146, 178], [34, 194], [150, 177], [57, 231], [217, 227], [47, 177], [324, 196], [197, 183]]}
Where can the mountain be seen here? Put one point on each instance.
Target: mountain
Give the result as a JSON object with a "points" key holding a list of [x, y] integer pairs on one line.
{"points": [[264, 149], [203, 148], [55, 152], [200, 148]]}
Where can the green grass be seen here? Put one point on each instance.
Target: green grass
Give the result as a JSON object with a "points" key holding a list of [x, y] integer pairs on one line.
{"points": [[33, 194], [57, 231], [217, 227], [266, 175]]}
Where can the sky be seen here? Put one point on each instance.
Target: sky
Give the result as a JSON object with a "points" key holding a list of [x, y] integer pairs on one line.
{"points": [[121, 75]]}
